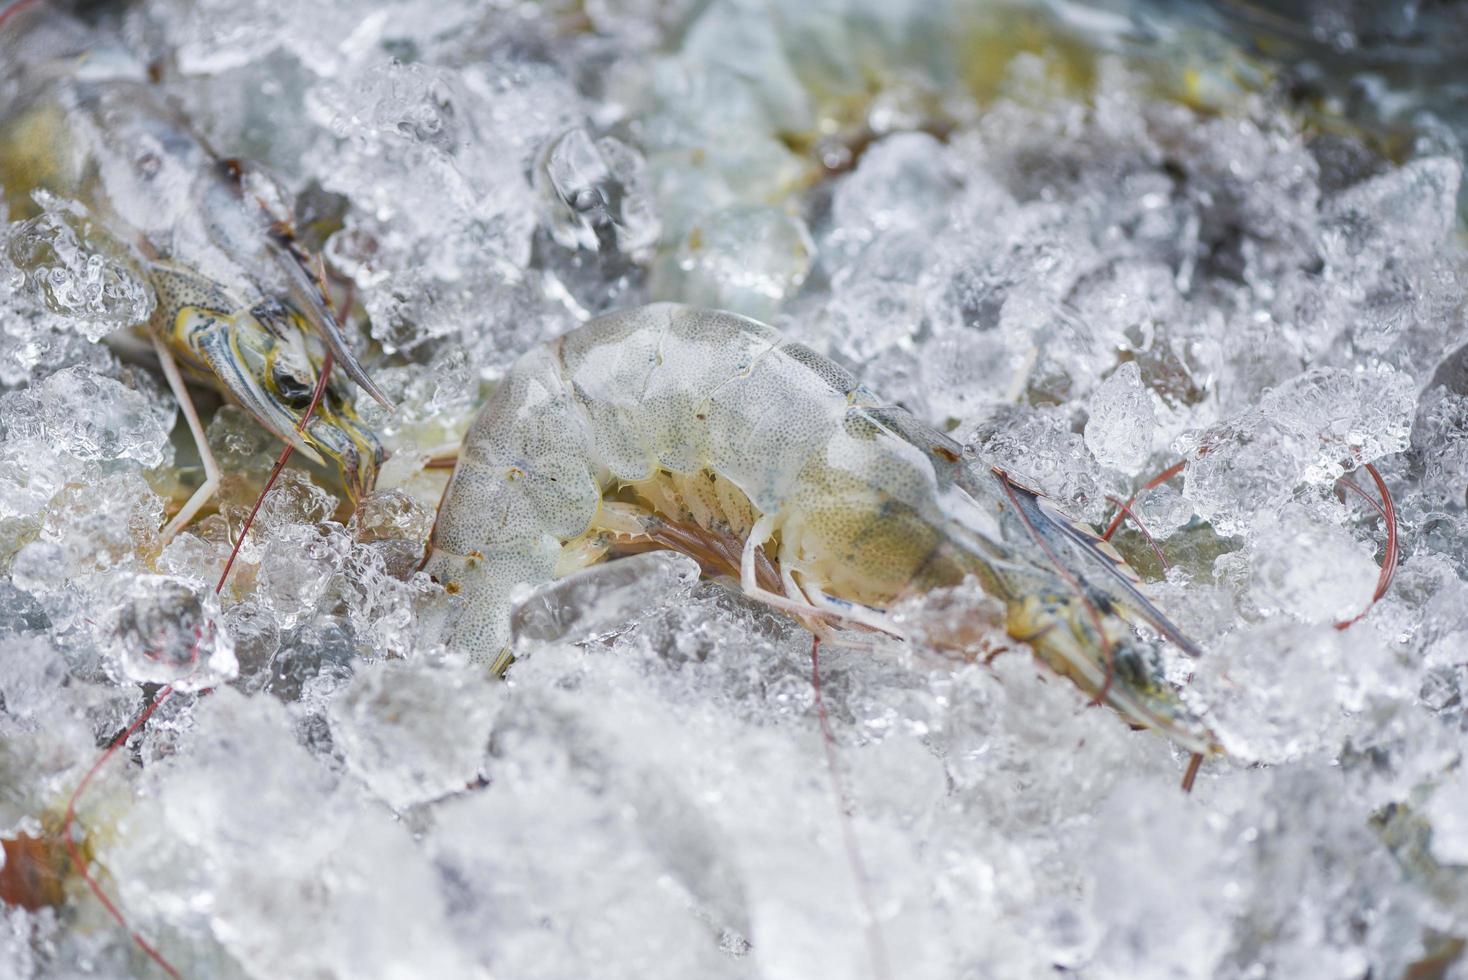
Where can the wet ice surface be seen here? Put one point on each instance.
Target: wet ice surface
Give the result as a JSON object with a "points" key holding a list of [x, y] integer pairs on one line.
{"points": [[1077, 267]]}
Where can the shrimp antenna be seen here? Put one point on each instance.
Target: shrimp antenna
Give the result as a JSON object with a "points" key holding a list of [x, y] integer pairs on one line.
{"points": [[76, 795], [75, 852], [15, 8], [1124, 508], [1386, 508], [1388, 511]]}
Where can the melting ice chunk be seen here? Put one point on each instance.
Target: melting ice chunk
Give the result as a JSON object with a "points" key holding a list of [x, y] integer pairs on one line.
{"points": [[594, 194], [413, 732], [78, 271], [1119, 432], [92, 417], [600, 600], [159, 629]]}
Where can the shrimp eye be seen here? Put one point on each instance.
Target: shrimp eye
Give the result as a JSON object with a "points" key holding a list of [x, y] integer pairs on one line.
{"points": [[231, 168], [291, 389]]}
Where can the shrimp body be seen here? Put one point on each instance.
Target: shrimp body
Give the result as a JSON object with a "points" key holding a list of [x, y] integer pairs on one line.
{"points": [[710, 433], [238, 303]]}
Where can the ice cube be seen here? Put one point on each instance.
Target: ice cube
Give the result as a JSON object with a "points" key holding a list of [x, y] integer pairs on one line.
{"points": [[1407, 209], [31, 673], [1152, 852], [1163, 510], [901, 181], [1276, 692], [257, 638], [1352, 416], [1038, 446], [91, 417], [748, 259], [599, 600], [738, 38], [1446, 810], [112, 521], [414, 732], [1440, 439], [1310, 429], [296, 566], [78, 271], [1309, 569], [40, 567], [594, 195], [1122, 420], [876, 303], [236, 853], [391, 515], [164, 630]]}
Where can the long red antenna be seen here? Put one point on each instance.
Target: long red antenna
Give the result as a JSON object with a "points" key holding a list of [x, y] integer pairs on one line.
{"points": [[75, 852], [1151, 484], [76, 795], [14, 9], [280, 461], [1388, 511]]}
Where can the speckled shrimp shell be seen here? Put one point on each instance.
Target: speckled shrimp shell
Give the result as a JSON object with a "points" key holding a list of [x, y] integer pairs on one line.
{"points": [[713, 434]]}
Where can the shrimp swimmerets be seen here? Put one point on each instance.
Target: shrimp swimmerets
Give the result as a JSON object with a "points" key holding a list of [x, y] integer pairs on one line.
{"points": [[239, 303], [712, 434]]}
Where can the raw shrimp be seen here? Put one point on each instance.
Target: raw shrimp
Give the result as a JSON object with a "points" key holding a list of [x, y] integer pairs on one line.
{"points": [[239, 303], [706, 432]]}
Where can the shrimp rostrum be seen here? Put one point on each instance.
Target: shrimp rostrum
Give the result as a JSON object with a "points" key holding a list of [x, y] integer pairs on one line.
{"points": [[239, 303], [712, 434]]}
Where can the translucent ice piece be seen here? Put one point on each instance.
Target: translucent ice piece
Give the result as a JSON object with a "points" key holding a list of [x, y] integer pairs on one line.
{"points": [[413, 732], [31, 672], [79, 271], [92, 417], [110, 522], [1407, 209], [594, 194], [1447, 810], [296, 567], [1310, 429], [1274, 692], [600, 600], [747, 258], [1351, 416], [1038, 447], [904, 180], [1309, 569], [165, 630], [1163, 510], [1119, 431]]}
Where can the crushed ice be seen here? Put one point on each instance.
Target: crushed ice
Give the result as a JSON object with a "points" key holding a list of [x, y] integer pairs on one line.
{"points": [[1084, 254]]}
